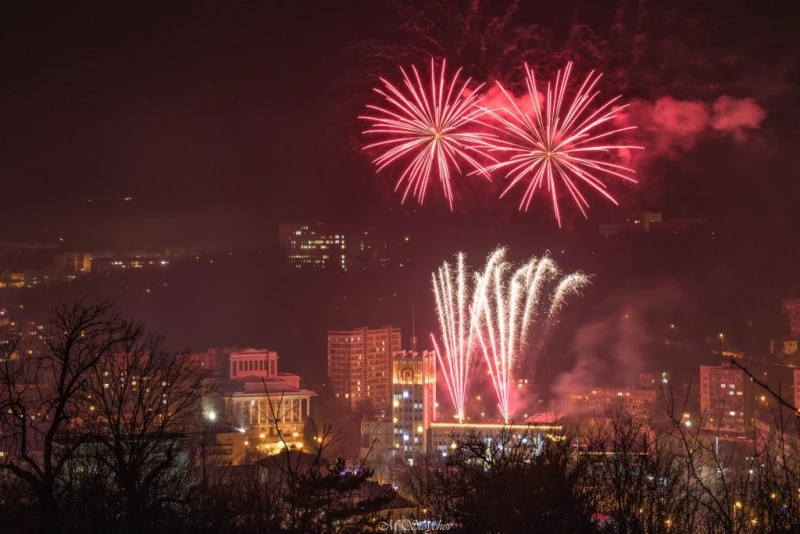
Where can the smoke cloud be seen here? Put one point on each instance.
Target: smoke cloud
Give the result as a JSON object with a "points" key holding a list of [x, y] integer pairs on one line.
{"points": [[737, 115], [613, 349], [494, 99], [669, 125]]}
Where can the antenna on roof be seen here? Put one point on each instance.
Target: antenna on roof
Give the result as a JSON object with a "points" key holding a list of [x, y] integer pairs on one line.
{"points": [[413, 329]]}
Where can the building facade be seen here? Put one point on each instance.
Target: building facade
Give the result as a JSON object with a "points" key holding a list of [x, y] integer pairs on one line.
{"points": [[724, 398], [271, 408], [403, 434], [359, 366], [608, 401], [443, 438], [78, 262], [413, 400], [317, 246]]}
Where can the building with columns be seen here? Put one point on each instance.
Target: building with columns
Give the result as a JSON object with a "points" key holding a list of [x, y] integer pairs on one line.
{"points": [[263, 403]]}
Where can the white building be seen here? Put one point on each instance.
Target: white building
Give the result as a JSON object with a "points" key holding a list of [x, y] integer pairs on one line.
{"points": [[264, 403]]}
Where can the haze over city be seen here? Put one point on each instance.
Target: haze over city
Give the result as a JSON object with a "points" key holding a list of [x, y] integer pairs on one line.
{"points": [[388, 237]]}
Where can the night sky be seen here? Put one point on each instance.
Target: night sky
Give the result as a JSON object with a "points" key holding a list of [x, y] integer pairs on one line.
{"points": [[224, 119]]}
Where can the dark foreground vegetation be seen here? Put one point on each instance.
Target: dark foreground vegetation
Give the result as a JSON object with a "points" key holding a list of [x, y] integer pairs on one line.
{"points": [[101, 431]]}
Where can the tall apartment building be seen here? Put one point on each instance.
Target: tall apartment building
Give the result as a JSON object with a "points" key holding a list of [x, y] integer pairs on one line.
{"points": [[724, 398], [359, 366]]}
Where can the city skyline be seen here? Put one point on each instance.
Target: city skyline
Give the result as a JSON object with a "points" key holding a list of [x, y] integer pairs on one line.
{"points": [[380, 265]]}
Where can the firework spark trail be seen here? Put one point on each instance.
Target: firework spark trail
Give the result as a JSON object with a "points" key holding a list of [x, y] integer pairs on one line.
{"points": [[497, 324], [569, 285], [455, 320], [496, 311], [545, 270], [506, 302], [553, 146], [435, 127]]}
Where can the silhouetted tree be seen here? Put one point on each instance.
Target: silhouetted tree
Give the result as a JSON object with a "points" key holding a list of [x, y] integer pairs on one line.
{"points": [[41, 396], [142, 402]]}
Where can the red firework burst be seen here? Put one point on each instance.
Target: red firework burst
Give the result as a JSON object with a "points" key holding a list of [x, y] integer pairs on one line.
{"points": [[436, 126], [559, 145]]}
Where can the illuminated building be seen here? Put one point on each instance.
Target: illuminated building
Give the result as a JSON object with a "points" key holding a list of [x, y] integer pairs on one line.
{"points": [[317, 246], [444, 437], [262, 402], [724, 398], [608, 401], [129, 261], [359, 366], [78, 262], [413, 400], [14, 280], [403, 433], [333, 247]]}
